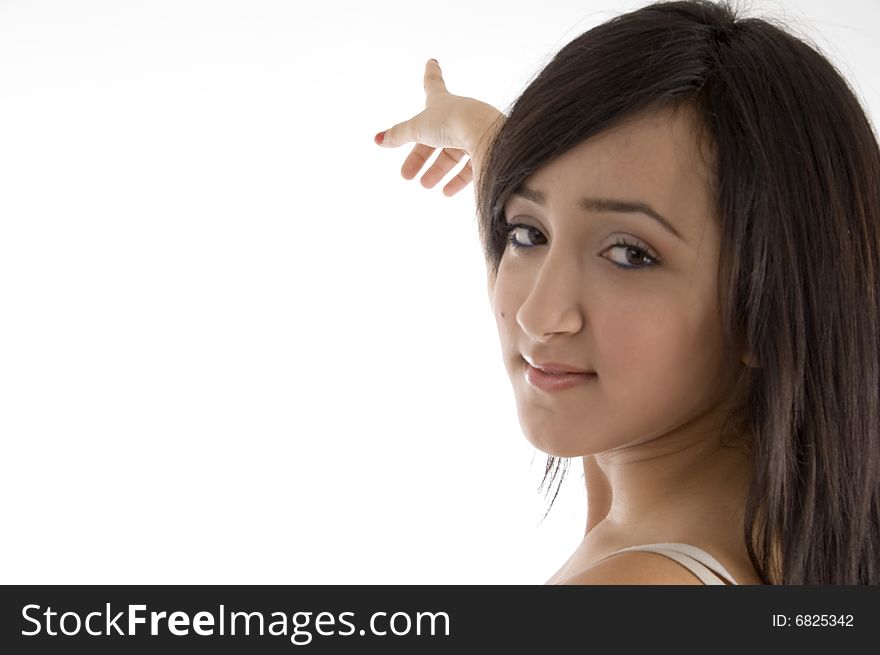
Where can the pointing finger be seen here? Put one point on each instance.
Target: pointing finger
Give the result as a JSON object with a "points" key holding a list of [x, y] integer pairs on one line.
{"points": [[397, 135]]}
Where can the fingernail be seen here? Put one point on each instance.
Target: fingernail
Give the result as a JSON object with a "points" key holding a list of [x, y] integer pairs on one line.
{"points": [[435, 61], [379, 138]]}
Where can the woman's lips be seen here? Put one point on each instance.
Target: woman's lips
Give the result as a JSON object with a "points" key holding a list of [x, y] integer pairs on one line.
{"points": [[555, 381]]}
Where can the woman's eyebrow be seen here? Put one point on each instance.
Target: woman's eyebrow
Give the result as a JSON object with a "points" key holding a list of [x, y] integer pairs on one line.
{"points": [[604, 205]]}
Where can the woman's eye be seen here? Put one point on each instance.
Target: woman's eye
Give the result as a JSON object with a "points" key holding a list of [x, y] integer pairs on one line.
{"points": [[633, 255], [524, 236]]}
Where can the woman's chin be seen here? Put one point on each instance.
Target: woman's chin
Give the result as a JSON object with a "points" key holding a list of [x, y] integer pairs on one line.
{"points": [[553, 446]]}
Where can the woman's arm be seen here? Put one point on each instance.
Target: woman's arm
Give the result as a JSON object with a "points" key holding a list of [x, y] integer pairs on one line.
{"points": [[461, 126]]}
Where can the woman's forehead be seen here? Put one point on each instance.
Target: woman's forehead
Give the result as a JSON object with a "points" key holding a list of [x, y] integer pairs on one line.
{"points": [[654, 158], [662, 145]]}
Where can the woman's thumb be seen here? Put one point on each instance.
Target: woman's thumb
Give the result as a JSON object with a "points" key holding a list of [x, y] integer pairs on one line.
{"points": [[407, 132], [433, 80]]}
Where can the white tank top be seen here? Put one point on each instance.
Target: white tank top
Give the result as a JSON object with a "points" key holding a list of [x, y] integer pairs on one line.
{"points": [[696, 560]]}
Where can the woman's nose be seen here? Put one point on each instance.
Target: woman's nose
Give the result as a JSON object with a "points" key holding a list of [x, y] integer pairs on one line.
{"points": [[554, 303]]}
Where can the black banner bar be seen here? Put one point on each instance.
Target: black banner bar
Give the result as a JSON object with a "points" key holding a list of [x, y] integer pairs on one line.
{"points": [[433, 619]]}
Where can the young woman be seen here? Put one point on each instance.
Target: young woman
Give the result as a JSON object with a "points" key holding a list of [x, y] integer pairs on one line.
{"points": [[681, 221]]}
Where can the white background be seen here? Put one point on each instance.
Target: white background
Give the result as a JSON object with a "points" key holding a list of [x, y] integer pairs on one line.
{"points": [[235, 345]]}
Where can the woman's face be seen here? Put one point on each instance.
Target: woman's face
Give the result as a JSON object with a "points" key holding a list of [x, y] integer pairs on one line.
{"points": [[601, 286]]}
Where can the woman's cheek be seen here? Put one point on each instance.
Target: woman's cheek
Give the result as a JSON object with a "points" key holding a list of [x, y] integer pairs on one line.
{"points": [[643, 357]]}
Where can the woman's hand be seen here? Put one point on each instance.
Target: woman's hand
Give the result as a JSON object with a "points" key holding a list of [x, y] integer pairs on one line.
{"points": [[458, 125]]}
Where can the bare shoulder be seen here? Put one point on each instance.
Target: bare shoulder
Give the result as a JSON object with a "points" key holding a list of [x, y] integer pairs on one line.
{"points": [[635, 568]]}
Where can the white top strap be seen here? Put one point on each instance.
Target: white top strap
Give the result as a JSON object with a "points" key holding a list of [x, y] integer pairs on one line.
{"points": [[696, 560]]}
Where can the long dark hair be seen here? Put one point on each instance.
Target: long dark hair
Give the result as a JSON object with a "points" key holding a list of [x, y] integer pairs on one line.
{"points": [[796, 170]]}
